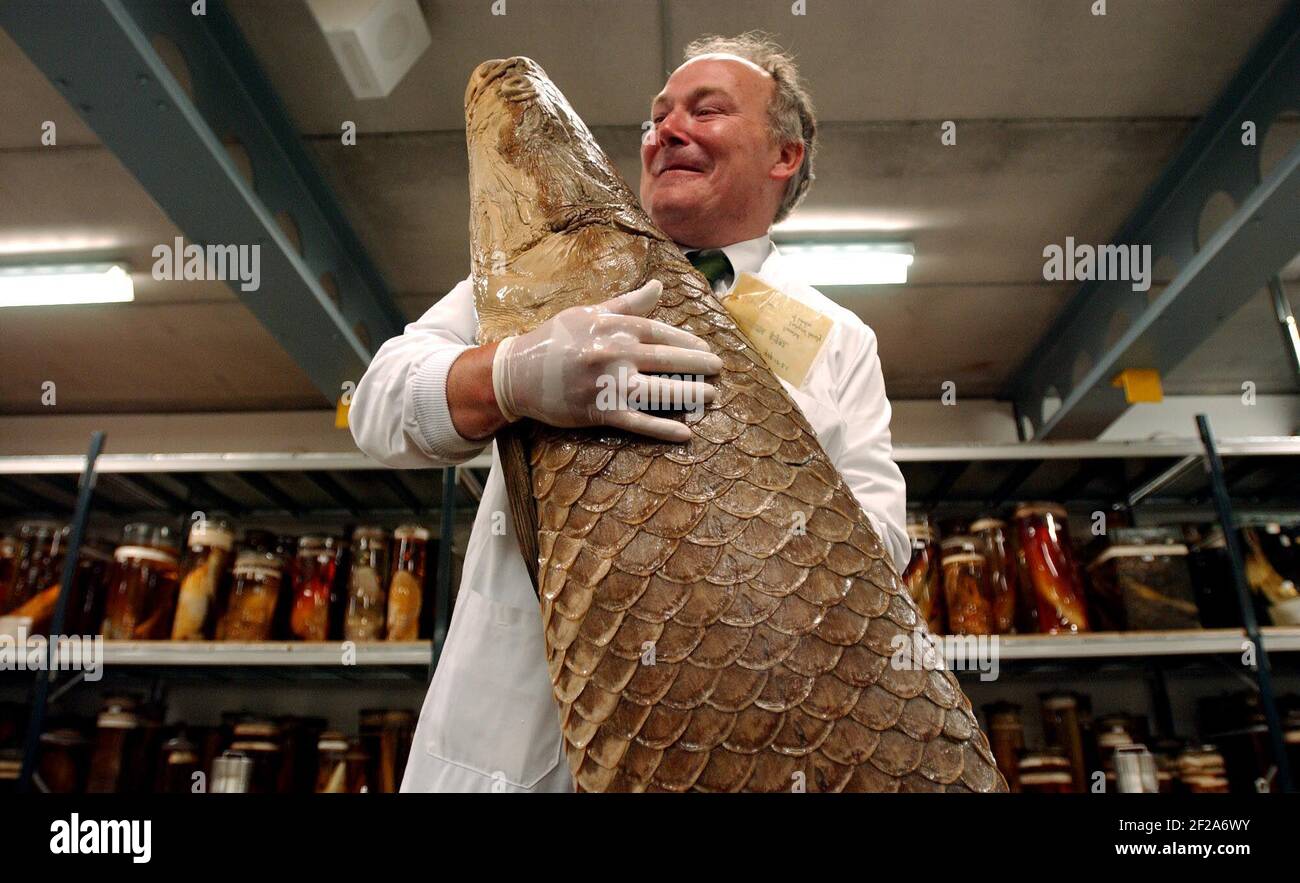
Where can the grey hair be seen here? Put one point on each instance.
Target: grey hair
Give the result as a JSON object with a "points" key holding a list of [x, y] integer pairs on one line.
{"points": [[790, 111]]}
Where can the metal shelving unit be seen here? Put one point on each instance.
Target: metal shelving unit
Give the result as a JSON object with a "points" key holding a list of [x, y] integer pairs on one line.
{"points": [[1097, 645], [1261, 474], [244, 485], [1120, 645]]}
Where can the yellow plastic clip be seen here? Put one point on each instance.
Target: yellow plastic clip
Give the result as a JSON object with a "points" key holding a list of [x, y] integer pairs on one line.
{"points": [[1140, 385], [341, 413]]}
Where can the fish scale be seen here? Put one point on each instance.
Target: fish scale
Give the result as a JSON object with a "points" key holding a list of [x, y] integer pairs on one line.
{"points": [[719, 615]]}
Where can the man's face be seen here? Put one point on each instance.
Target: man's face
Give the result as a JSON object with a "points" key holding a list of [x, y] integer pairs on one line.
{"points": [[710, 172]]}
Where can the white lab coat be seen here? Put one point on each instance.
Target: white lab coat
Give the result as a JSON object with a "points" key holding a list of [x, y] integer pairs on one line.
{"points": [[489, 721]]}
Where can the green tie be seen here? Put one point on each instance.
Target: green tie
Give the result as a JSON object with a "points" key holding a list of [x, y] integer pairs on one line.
{"points": [[711, 263]]}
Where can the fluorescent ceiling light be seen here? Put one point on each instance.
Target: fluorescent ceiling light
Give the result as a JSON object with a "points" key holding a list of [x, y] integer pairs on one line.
{"points": [[868, 225], [849, 263], [48, 285]]}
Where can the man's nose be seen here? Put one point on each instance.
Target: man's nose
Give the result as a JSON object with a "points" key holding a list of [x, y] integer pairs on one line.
{"points": [[671, 129]]}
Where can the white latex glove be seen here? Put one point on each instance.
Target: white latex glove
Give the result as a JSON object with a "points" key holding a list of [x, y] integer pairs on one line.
{"points": [[563, 372]]}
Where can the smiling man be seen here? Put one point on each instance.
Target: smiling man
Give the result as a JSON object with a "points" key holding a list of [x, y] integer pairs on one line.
{"points": [[729, 152]]}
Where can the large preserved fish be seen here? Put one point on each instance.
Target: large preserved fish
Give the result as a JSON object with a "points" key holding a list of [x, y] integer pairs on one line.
{"points": [[719, 614]]}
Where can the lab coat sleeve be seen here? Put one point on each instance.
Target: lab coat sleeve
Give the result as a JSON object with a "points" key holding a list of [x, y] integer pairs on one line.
{"points": [[399, 413], [867, 463]]}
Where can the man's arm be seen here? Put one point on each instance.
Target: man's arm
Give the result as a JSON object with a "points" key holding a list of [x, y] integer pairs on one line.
{"points": [[470, 397], [867, 462], [412, 405], [431, 398]]}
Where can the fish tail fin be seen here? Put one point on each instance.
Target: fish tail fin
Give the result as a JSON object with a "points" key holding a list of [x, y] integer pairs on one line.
{"points": [[513, 448]]}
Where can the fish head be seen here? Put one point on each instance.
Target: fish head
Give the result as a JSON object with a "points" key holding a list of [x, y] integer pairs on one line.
{"points": [[552, 224]]}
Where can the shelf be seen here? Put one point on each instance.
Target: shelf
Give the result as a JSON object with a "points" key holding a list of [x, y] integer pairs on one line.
{"points": [[1263, 474], [205, 462], [277, 653], [1188, 642], [326, 486], [1262, 446], [1137, 645], [280, 654], [1102, 645]]}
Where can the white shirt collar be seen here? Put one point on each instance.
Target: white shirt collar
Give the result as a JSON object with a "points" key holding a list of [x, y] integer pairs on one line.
{"points": [[746, 257]]}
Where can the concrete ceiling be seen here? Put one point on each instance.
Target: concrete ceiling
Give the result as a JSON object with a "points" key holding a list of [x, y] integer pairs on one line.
{"points": [[1063, 120]]}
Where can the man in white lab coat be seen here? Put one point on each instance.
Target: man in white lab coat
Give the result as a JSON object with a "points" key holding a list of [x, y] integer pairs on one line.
{"points": [[729, 153]]}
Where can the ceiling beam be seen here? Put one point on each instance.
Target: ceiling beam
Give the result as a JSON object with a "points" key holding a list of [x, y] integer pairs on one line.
{"points": [[173, 141], [1108, 327]]}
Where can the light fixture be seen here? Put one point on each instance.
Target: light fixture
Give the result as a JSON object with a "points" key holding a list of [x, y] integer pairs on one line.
{"points": [[849, 263], [53, 284], [374, 43]]}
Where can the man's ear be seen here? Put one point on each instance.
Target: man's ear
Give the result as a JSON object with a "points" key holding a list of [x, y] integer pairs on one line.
{"points": [[787, 162]]}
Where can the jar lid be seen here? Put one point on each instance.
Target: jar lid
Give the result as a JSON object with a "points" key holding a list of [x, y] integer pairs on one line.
{"points": [[144, 553], [1159, 550], [214, 533], [1114, 737], [155, 536], [178, 743], [920, 531], [115, 719], [63, 737], [257, 729], [411, 532], [255, 561], [960, 547], [332, 740], [984, 524], [1056, 701], [312, 543], [231, 762], [1040, 508], [1044, 761], [254, 745], [1143, 536], [369, 532], [42, 528]]}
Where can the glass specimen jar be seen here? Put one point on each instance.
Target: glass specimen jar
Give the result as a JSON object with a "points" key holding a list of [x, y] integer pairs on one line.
{"points": [[314, 572], [206, 559], [1049, 573], [364, 619], [39, 557], [250, 608], [965, 594], [141, 597], [994, 543], [924, 574], [406, 588]]}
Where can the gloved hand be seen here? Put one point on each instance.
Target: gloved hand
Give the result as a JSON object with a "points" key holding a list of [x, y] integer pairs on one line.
{"points": [[562, 372]]}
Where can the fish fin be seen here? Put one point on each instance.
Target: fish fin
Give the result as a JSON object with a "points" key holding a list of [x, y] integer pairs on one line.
{"points": [[512, 447]]}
